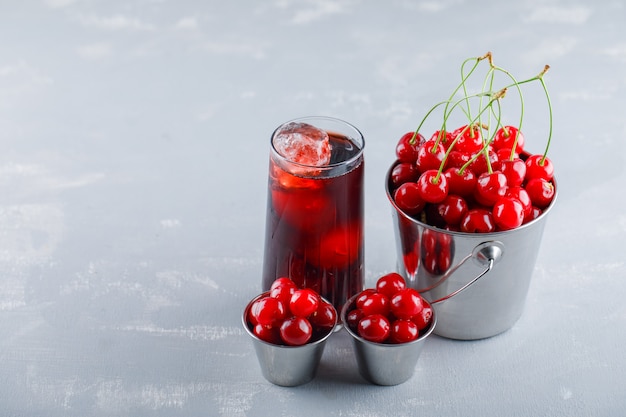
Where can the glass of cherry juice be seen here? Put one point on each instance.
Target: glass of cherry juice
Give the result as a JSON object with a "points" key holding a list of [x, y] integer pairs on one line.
{"points": [[314, 223]]}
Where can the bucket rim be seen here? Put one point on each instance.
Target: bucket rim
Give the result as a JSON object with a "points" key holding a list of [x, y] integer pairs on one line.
{"points": [[539, 219]]}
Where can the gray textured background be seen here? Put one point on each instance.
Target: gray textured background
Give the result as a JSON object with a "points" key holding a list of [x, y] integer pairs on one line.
{"points": [[134, 143]]}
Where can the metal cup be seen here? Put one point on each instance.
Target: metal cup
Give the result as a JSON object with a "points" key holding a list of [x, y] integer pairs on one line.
{"points": [[386, 364], [282, 365]]}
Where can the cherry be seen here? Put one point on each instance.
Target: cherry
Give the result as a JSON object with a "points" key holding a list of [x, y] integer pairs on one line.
{"points": [[452, 209], [267, 311], [478, 220], [457, 159], [534, 213], [505, 138], [375, 328], [404, 172], [541, 192], [403, 331], [432, 186], [360, 299], [409, 199], [406, 303], [354, 317], [490, 187], [375, 303], [430, 156], [325, 317], [479, 165], [445, 138], [505, 153], [296, 331], [521, 194], [304, 302], [283, 293], [423, 318], [407, 147], [468, 139], [461, 183], [282, 288], [390, 284], [267, 334], [283, 282], [508, 213], [337, 248], [514, 170], [539, 167]]}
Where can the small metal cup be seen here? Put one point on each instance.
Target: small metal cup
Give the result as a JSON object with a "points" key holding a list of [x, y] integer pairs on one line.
{"points": [[287, 366], [386, 364]]}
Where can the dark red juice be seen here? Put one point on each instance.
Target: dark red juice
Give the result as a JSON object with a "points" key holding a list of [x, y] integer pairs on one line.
{"points": [[314, 225]]}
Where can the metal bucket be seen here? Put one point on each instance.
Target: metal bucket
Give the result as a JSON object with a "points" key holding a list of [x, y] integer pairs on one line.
{"points": [[487, 273]]}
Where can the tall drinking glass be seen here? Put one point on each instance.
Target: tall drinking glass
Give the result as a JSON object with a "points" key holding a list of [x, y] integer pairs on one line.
{"points": [[314, 223]]}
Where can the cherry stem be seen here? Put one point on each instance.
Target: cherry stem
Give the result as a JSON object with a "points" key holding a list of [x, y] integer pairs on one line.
{"points": [[545, 89], [500, 94], [464, 78], [412, 140], [494, 97]]}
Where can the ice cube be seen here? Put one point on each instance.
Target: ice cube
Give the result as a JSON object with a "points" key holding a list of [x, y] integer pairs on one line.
{"points": [[303, 143]]}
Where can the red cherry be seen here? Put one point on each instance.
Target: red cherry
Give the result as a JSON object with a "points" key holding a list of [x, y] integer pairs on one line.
{"points": [[325, 317], [283, 293], [452, 209], [296, 331], [538, 167], [403, 331], [505, 153], [353, 318], [337, 248], [430, 156], [283, 282], [505, 137], [541, 192], [478, 221], [406, 303], [423, 319], [268, 311], [521, 194], [534, 213], [407, 147], [490, 187], [445, 138], [514, 170], [404, 172], [457, 159], [508, 213], [460, 183], [469, 139], [267, 334], [390, 284], [431, 188], [479, 165], [304, 302], [409, 199], [360, 299], [375, 303], [375, 328]]}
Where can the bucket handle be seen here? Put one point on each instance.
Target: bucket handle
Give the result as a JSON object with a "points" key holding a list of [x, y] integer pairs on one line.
{"points": [[485, 254]]}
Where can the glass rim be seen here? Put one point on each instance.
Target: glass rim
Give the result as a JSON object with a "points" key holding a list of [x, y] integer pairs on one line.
{"points": [[327, 167]]}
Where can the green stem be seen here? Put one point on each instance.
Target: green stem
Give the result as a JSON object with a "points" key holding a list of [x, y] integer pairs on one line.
{"points": [[494, 97], [545, 89]]}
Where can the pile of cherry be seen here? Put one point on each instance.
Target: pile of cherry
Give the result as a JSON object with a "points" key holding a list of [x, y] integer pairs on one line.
{"points": [[456, 182]]}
